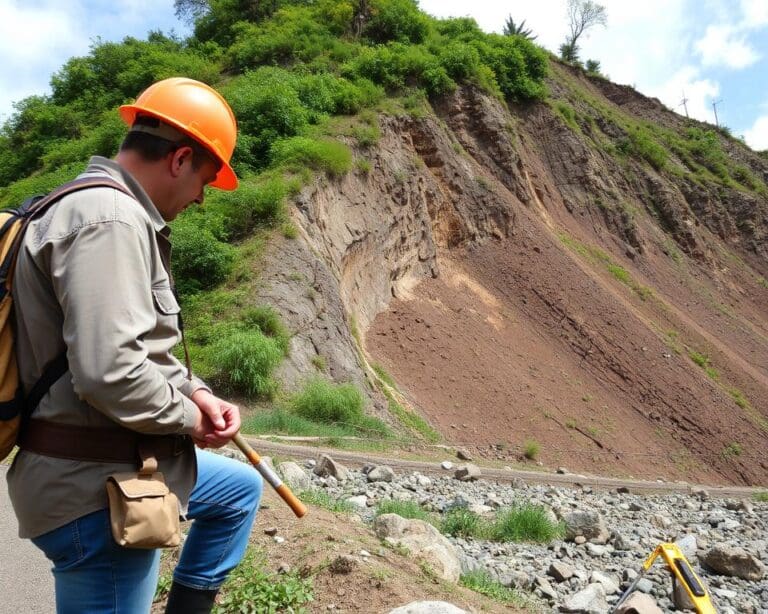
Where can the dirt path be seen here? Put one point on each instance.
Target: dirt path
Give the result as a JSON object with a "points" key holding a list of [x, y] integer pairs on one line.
{"points": [[358, 459]]}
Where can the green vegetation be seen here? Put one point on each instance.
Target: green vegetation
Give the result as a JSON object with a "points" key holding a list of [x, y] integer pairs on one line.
{"points": [[598, 256], [324, 402], [251, 589], [525, 522], [461, 522], [731, 450], [531, 449], [406, 509], [568, 114], [703, 361], [481, 582], [321, 498], [761, 497]]}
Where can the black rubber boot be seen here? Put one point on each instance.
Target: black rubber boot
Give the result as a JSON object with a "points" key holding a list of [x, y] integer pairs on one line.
{"points": [[185, 600]]}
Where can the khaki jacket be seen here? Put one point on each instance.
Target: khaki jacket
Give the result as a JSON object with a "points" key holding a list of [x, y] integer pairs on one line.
{"points": [[93, 278]]}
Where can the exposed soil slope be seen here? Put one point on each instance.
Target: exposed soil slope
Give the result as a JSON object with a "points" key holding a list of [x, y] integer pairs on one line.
{"points": [[521, 279]]}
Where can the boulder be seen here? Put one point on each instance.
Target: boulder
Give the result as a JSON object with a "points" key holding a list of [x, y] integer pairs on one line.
{"points": [[467, 472], [294, 476], [327, 467], [589, 525], [737, 562], [591, 600], [382, 473], [423, 541], [639, 603]]}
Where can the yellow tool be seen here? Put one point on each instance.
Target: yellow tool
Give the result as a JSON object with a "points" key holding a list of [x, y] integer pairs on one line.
{"points": [[682, 570]]}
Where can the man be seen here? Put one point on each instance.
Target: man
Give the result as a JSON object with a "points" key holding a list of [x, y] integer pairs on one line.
{"points": [[93, 283]]}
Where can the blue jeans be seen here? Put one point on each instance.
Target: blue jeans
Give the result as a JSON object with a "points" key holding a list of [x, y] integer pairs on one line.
{"points": [[94, 575]]}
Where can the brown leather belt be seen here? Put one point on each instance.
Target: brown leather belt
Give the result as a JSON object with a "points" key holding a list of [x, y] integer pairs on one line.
{"points": [[100, 445]]}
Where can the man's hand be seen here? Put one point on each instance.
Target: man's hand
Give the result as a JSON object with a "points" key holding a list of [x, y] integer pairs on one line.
{"points": [[218, 420]]}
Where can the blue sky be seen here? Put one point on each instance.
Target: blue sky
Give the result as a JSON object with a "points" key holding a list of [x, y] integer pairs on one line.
{"points": [[711, 50]]}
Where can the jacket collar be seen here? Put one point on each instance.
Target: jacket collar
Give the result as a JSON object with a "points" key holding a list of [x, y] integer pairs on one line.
{"points": [[99, 165]]}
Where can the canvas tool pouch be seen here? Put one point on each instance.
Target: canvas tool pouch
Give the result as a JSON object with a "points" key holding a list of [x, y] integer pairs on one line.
{"points": [[143, 512]]}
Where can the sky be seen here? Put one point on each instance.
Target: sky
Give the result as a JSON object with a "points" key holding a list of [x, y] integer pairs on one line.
{"points": [[704, 50]]}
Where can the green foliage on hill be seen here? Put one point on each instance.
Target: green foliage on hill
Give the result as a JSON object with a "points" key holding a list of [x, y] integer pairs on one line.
{"points": [[285, 67]]}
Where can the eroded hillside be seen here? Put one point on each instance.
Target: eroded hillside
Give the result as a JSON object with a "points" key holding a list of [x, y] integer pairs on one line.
{"points": [[588, 273]]}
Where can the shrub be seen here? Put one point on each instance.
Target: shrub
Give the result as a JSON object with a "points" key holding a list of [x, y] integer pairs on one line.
{"points": [[279, 420], [567, 113], [519, 65], [267, 320], [243, 362], [762, 496], [523, 523], [323, 155], [640, 143], [251, 205], [200, 260], [460, 60], [732, 449], [531, 449], [396, 20], [461, 522], [328, 403]]}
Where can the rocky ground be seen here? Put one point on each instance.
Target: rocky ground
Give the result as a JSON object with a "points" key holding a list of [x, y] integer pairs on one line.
{"points": [[608, 536]]}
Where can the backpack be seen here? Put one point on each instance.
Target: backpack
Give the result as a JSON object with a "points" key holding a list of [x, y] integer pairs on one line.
{"points": [[15, 406]]}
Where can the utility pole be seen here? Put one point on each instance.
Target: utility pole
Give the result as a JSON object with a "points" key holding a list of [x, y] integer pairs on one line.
{"points": [[685, 104], [714, 106]]}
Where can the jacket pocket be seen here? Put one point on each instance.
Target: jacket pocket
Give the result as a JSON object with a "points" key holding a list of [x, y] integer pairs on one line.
{"points": [[165, 301]]}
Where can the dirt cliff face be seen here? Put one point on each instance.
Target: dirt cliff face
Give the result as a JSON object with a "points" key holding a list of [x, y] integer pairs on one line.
{"points": [[522, 278]]}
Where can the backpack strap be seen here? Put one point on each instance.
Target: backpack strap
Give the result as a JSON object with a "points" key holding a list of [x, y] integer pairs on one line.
{"points": [[59, 365]]}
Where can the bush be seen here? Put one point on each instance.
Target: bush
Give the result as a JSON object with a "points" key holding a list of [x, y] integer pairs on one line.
{"points": [[328, 403], [640, 143], [531, 449], [324, 155], [20, 190], [251, 205], [396, 20], [460, 60], [519, 66], [243, 362], [200, 260], [267, 320], [481, 582], [523, 523], [461, 522]]}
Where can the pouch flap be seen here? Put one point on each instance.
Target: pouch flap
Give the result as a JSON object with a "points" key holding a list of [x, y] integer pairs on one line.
{"points": [[134, 486]]}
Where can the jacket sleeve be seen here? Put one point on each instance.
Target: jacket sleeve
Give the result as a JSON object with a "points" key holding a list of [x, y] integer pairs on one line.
{"points": [[101, 275]]}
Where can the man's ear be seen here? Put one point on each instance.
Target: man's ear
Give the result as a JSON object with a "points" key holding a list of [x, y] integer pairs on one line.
{"points": [[179, 158]]}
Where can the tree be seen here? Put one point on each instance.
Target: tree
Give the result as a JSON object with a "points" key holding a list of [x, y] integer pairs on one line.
{"points": [[513, 29], [582, 15], [593, 67]]}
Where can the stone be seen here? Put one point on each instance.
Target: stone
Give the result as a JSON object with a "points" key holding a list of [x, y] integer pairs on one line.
{"points": [[294, 476], [423, 541], [645, 586], [447, 465], [327, 467], [560, 571], [428, 607], [545, 587], [359, 502], [382, 473], [463, 454], [590, 600], [735, 562], [639, 603], [343, 564], [589, 525], [467, 473], [610, 585]]}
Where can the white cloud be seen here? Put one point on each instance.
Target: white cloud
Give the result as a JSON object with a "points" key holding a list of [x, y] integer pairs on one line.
{"points": [[725, 45], [755, 13], [699, 93], [757, 135]]}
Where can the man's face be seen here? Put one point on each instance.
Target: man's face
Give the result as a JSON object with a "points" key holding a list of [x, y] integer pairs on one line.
{"points": [[188, 183]]}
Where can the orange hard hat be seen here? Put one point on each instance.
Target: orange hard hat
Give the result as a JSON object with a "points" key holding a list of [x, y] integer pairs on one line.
{"points": [[198, 111]]}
